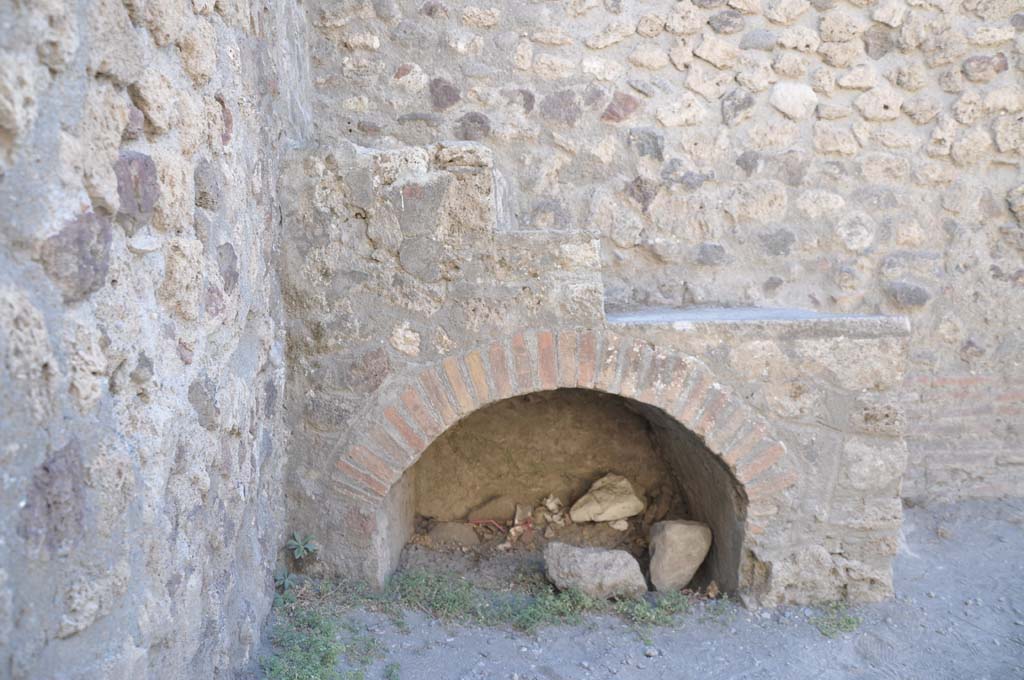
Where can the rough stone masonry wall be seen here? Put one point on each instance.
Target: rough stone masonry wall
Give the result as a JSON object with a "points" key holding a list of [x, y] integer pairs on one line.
{"points": [[841, 156], [141, 331]]}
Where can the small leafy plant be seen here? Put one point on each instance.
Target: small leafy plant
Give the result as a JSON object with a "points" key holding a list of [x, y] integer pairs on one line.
{"points": [[285, 582], [301, 547], [835, 620]]}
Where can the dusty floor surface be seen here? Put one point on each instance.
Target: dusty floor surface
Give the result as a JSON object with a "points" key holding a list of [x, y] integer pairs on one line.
{"points": [[959, 614]]}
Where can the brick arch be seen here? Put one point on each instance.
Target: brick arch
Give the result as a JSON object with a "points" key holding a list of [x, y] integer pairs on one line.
{"points": [[405, 416]]}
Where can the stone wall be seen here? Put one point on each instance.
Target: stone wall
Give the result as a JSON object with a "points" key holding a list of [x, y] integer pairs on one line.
{"points": [[438, 175], [141, 331], [860, 156]]}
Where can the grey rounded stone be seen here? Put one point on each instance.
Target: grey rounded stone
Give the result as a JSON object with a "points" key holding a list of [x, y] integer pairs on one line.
{"points": [[760, 39], [473, 127], [727, 22], [907, 295], [597, 572]]}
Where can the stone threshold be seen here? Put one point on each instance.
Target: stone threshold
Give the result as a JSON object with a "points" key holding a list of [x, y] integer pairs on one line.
{"points": [[771, 320]]}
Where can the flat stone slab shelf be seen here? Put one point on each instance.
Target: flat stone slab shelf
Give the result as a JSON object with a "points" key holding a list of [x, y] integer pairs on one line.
{"points": [[759, 320]]}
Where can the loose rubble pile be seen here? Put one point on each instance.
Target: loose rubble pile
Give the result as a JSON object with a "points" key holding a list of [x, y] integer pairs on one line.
{"points": [[675, 547]]}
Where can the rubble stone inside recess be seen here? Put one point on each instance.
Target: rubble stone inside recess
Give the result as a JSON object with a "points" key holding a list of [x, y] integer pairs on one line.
{"points": [[557, 443]]}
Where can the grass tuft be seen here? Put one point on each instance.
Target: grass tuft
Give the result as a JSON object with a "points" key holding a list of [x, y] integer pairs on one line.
{"points": [[306, 644], [835, 620]]}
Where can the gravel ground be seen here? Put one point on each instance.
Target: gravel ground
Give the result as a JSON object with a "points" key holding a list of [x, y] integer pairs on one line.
{"points": [[958, 613]]}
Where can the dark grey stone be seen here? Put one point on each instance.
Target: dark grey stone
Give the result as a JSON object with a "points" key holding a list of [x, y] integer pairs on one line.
{"points": [[443, 94], [52, 518], [710, 254], [642, 191], [727, 22], [421, 257], [878, 41], [561, 107], [202, 394], [430, 119], [778, 242], [227, 264], [77, 258], [908, 295], [386, 10], [750, 162], [647, 142], [676, 171], [735, 104], [143, 371], [434, 9], [371, 128], [644, 87], [522, 98], [549, 213], [136, 125], [411, 33], [137, 188], [708, 4], [473, 127], [207, 183]]}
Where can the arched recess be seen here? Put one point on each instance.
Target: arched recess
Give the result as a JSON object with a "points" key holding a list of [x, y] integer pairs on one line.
{"points": [[724, 446]]}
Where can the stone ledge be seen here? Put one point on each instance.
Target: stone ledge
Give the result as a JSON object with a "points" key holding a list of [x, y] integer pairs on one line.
{"points": [[763, 321]]}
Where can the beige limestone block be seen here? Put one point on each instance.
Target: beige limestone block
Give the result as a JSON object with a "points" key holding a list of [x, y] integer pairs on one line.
{"points": [[610, 498], [678, 548]]}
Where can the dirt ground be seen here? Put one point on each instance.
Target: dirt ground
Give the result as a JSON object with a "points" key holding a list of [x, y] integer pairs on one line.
{"points": [[958, 614]]}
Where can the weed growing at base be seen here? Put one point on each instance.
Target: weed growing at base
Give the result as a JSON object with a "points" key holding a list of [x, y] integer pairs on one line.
{"points": [[305, 643], [835, 619], [311, 634]]}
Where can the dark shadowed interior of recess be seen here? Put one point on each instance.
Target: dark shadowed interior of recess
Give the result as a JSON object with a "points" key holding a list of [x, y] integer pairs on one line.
{"points": [[557, 443]]}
